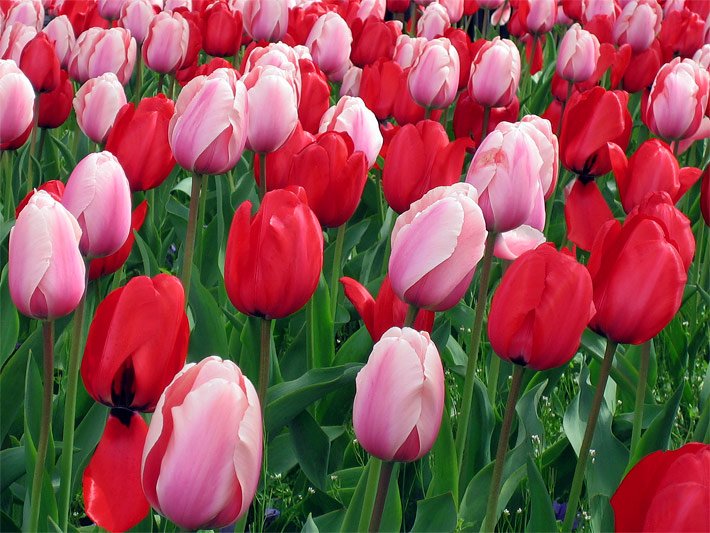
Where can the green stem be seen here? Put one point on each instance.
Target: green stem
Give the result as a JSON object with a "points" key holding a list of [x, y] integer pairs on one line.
{"points": [[413, 18], [201, 224], [493, 372], [9, 198], [412, 311], [427, 113], [486, 121], [570, 86], [264, 361], [262, 176], [69, 414], [339, 241], [382, 487], [138, 88], [33, 147], [579, 470], [491, 509], [47, 391], [380, 206], [368, 502], [474, 345], [484, 25], [159, 88], [190, 235], [640, 394]]}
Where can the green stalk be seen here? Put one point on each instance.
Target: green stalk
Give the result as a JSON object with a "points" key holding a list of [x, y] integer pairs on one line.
{"points": [[33, 147], [579, 470], [186, 272], [337, 257], [640, 394], [486, 121], [45, 422], [493, 372], [473, 347], [262, 176], [494, 493], [368, 502], [138, 88], [382, 488], [9, 198], [264, 361], [412, 311]]}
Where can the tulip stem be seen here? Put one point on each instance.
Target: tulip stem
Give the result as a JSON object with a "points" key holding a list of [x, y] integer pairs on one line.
{"points": [[411, 316], [579, 470], [467, 399], [570, 86], [493, 372], [190, 235], [264, 361], [382, 488], [159, 89], [337, 258], [640, 394], [69, 414], [46, 421], [486, 120], [491, 514], [413, 19], [33, 146], [262, 175], [484, 25], [137, 89]]}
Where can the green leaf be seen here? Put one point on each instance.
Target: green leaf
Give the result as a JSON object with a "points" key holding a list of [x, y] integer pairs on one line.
{"points": [[526, 408], [10, 323], [12, 381], [87, 436], [356, 349], [310, 526], [312, 448], [249, 342], [12, 466], [542, 516], [480, 432], [150, 263], [319, 324], [442, 460], [209, 336], [435, 515]]}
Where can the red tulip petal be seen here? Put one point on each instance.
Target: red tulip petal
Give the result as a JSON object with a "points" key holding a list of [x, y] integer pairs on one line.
{"points": [[586, 211]]}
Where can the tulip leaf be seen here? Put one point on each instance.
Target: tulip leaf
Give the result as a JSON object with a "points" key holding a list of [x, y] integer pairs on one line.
{"points": [[150, 263], [312, 447], [319, 328], [526, 408], [310, 526], [7, 524], [435, 515], [542, 516], [357, 517], [480, 432], [602, 513], [10, 323], [12, 465], [356, 349], [442, 460], [209, 336], [87, 436]]}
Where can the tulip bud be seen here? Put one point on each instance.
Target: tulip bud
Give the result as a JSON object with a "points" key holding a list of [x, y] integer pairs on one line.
{"points": [[26, 12], [702, 56], [266, 20], [46, 272], [351, 82], [97, 103], [211, 398], [495, 73], [222, 31], [330, 41], [136, 16], [408, 49], [436, 245], [55, 106], [16, 103], [315, 95], [540, 16], [373, 39], [512, 244], [166, 45], [13, 40], [638, 24], [434, 78], [399, 397], [60, 32], [99, 51], [433, 22], [578, 55]]}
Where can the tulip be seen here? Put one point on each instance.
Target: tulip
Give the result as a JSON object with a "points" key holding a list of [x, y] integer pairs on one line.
{"points": [[705, 196], [665, 491], [436, 245], [55, 106], [512, 244], [136, 16], [208, 130], [103, 266], [16, 103], [352, 116], [97, 103], [682, 33], [638, 24], [98, 196], [61, 33], [166, 45], [82, 15], [642, 68], [373, 39], [13, 40], [433, 22], [379, 87], [434, 77], [578, 55], [351, 82], [407, 50], [586, 211], [420, 158], [315, 95], [265, 20], [384, 312], [211, 399], [284, 227], [702, 56], [540, 309], [54, 188], [495, 73], [399, 396], [278, 163], [189, 73], [540, 15], [26, 12], [46, 270], [330, 41], [276, 54], [222, 30], [137, 342], [678, 81], [99, 51], [469, 114]]}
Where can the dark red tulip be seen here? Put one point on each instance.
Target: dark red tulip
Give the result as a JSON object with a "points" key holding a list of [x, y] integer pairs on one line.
{"points": [[372, 39], [380, 86], [642, 69], [540, 309], [315, 95], [301, 21], [468, 117], [273, 260], [221, 30], [591, 120], [83, 15], [103, 266], [137, 342], [398, 6], [333, 175], [139, 139], [278, 163], [55, 106], [40, 64], [386, 311], [666, 491], [705, 196], [420, 158]]}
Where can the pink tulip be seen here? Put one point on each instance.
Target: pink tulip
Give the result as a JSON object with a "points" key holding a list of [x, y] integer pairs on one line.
{"points": [[329, 41], [436, 245], [273, 108], [17, 99], [98, 51], [27, 12], [13, 40], [60, 32], [202, 456], [352, 116], [512, 244], [278, 55], [99, 197], [507, 170], [490, 4], [46, 270], [408, 49], [350, 85], [454, 8], [209, 128], [265, 19], [136, 16], [172, 5], [678, 99], [540, 131], [638, 24], [166, 44], [495, 73], [433, 22], [110, 9], [433, 80], [97, 103], [542, 16], [702, 56], [578, 55], [371, 8], [399, 396]]}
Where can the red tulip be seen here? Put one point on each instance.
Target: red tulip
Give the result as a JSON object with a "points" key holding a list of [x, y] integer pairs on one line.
{"points": [[705, 196], [682, 33], [468, 116], [460, 40], [386, 311], [221, 30], [666, 491], [137, 342], [372, 40], [540, 309], [139, 140], [380, 85], [278, 163], [586, 211], [40, 64], [55, 106], [420, 158], [83, 15], [273, 261], [190, 72], [642, 69], [315, 95]]}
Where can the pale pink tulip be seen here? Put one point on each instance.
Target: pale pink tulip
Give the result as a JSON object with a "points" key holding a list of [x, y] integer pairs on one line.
{"points": [[17, 99], [399, 396], [278, 55], [638, 24], [454, 8], [60, 32], [512, 244], [27, 12], [433, 22], [540, 131], [97, 103], [208, 130], [202, 455], [98, 51], [434, 78], [351, 82], [495, 73], [136, 16], [542, 16], [13, 40], [172, 5], [702, 56], [99, 197], [46, 271], [265, 19], [371, 8], [408, 49], [166, 44], [352, 116], [329, 41], [436, 245], [578, 54], [110, 9]]}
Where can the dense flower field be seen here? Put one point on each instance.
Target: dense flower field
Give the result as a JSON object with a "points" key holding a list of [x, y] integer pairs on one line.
{"points": [[354, 265]]}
